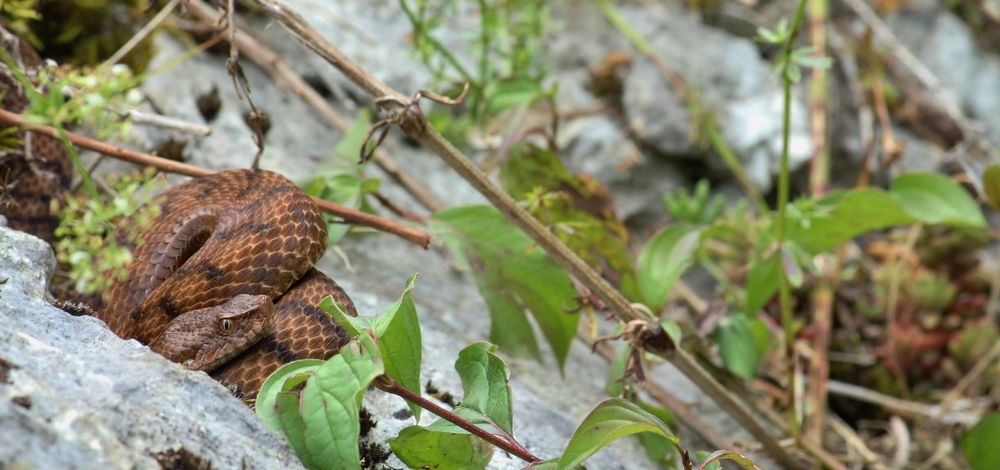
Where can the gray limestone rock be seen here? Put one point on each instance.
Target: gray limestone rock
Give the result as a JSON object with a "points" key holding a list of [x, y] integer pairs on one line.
{"points": [[74, 395]]}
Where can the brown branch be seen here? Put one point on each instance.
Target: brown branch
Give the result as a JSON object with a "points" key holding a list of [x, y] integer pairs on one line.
{"points": [[505, 442], [419, 237], [660, 343], [273, 64]]}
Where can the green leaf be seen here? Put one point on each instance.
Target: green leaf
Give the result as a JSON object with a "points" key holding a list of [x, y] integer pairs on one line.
{"points": [[614, 384], [842, 216], [663, 260], [991, 185], [511, 271], [349, 147], [420, 447], [286, 377], [397, 332], [331, 400], [351, 324], [762, 283], [936, 199], [980, 443], [399, 341], [610, 420], [485, 382], [292, 426], [742, 344], [658, 448], [508, 94]]}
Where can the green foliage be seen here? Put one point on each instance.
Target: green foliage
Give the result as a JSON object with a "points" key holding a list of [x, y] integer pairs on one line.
{"points": [[18, 14], [89, 228], [486, 403], [86, 32], [341, 179], [320, 419], [575, 208], [398, 330], [743, 341], [507, 67], [803, 57], [980, 443], [610, 420], [658, 448], [933, 198], [514, 276], [696, 207], [664, 258]]}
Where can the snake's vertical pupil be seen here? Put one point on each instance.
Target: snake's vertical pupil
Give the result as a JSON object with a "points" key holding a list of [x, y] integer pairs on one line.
{"points": [[226, 324]]}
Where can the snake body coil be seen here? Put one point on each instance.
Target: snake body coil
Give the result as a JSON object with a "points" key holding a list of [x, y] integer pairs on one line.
{"points": [[218, 236]]}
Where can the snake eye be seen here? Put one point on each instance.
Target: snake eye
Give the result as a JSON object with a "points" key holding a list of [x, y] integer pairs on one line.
{"points": [[226, 324]]}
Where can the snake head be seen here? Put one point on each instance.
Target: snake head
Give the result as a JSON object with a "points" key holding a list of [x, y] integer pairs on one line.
{"points": [[206, 338]]}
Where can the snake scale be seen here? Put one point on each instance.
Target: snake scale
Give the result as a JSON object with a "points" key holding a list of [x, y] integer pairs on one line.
{"points": [[226, 270]]}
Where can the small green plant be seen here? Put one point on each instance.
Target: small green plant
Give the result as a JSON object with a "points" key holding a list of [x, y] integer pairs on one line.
{"points": [[316, 404], [506, 52], [95, 242]]}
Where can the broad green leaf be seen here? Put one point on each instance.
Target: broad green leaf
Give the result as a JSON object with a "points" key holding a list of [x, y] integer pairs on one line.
{"points": [[991, 185], [663, 260], [980, 443], [399, 341], [517, 335], [740, 344], [933, 198], [419, 447], [397, 332], [509, 267], [762, 283], [840, 217], [713, 460], [485, 382], [331, 400], [292, 426], [286, 377], [610, 420]]}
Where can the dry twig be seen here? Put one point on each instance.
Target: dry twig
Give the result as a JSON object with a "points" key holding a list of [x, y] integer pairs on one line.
{"points": [[419, 237]]}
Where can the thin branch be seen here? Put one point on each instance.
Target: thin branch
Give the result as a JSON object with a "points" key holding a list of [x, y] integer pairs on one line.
{"points": [[905, 408], [274, 65], [506, 442], [141, 34], [657, 342], [419, 237]]}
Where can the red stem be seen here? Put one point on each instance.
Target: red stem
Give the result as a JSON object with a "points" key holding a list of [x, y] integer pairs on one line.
{"points": [[504, 441]]}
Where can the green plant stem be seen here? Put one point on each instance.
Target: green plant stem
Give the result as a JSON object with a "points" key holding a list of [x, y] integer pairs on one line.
{"points": [[422, 35], [74, 157], [784, 289], [658, 341], [504, 441]]}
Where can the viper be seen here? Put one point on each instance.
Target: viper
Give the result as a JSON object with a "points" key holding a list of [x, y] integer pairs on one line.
{"points": [[222, 281]]}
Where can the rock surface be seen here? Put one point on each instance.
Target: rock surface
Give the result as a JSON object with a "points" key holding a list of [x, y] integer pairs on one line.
{"points": [[74, 395]]}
